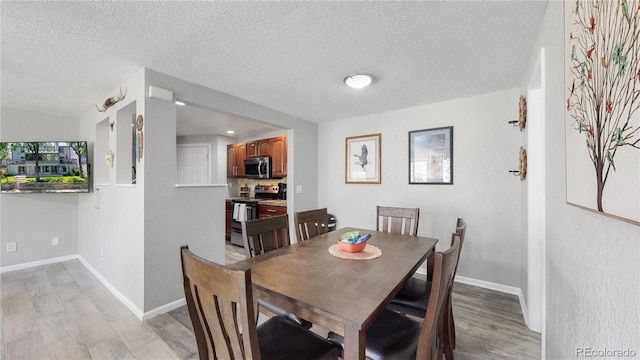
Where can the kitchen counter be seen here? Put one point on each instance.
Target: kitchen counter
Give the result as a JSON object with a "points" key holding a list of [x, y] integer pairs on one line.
{"points": [[269, 202]]}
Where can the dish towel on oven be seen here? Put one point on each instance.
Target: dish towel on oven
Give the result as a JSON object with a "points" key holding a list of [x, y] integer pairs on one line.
{"points": [[236, 210], [242, 212]]}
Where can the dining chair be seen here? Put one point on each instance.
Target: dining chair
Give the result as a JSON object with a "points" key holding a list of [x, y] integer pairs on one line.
{"points": [[397, 220], [261, 236], [413, 296], [266, 234], [393, 335], [222, 311], [311, 223]]}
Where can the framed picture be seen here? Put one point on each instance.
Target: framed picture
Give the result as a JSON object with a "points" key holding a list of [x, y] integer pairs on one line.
{"points": [[602, 124], [362, 159], [431, 156]]}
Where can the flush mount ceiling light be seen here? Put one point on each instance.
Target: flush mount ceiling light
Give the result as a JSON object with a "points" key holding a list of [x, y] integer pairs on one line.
{"points": [[358, 81], [181, 103], [230, 132]]}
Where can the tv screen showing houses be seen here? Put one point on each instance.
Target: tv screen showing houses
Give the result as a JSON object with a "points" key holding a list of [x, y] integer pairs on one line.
{"points": [[44, 167]]}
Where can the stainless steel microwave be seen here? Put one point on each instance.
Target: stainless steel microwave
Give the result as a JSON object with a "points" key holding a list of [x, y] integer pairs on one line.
{"points": [[257, 168]]}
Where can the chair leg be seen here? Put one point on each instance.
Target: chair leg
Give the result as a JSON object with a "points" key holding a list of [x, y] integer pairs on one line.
{"points": [[452, 328], [448, 331]]}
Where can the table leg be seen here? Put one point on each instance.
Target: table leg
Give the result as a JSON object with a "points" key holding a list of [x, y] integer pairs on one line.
{"points": [[354, 343]]}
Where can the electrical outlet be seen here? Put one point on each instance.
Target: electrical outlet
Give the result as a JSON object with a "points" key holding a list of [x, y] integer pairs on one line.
{"points": [[11, 246], [298, 189], [55, 241]]}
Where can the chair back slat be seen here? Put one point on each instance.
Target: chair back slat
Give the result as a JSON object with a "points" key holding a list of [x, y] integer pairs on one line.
{"points": [[397, 220], [263, 235], [221, 308], [429, 345], [311, 223], [461, 229]]}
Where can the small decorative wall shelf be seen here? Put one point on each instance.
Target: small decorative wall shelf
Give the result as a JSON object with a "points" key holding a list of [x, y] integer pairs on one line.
{"points": [[523, 163], [522, 171], [522, 119]]}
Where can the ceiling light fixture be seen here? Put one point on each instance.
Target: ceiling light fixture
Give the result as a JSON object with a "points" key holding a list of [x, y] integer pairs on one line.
{"points": [[181, 103], [230, 132], [358, 81]]}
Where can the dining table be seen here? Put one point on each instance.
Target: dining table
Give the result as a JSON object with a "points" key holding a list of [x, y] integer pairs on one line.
{"points": [[338, 294]]}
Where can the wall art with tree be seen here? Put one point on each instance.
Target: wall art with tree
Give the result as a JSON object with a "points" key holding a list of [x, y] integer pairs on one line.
{"points": [[602, 79]]}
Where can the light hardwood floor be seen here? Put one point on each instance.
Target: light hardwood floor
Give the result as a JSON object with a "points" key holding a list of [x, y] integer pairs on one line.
{"points": [[61, 311]]}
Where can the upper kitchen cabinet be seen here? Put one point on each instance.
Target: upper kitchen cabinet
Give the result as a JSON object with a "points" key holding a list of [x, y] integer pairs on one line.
{"points": [[236, 153], [279, 156], [259, 148], [274, 148]]}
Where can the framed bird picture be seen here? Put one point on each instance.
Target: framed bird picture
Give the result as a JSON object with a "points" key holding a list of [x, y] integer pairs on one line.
{"points": [[431, 156], [362, 159]]}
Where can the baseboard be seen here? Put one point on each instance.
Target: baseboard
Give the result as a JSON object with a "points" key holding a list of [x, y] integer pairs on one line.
{"points": [[497, 287], [163, 309], [123, 299], [523, 306], [31, 264], [488, 285]]}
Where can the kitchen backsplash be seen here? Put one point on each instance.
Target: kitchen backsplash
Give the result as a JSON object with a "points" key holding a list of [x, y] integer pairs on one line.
{"points": [[235, 185]]}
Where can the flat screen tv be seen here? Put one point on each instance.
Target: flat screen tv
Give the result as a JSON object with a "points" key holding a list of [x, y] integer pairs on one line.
{"points": [[44, 167]]}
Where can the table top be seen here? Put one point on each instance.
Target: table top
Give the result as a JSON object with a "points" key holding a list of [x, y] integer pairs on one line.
{"points": [[347, 292]]}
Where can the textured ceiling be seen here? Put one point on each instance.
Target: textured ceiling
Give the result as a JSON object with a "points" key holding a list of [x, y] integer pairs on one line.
{"points": [[62, 57]]}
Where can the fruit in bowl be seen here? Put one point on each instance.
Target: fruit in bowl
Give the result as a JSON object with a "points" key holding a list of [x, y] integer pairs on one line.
{"points": [[352, 248]]}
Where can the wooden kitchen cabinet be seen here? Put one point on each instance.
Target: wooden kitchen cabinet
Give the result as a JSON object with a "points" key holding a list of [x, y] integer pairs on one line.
{"points": [[259, 148], [275, 148], [236, 154], [252, 149], [279, 156], [270, 211], [227, 219]]}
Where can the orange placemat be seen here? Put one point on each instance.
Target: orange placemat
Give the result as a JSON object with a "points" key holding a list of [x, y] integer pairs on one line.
{"points": [[369, 252]]}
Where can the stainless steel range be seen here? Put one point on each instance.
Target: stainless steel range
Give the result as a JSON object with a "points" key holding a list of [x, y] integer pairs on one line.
{"points": [[247, 209]]}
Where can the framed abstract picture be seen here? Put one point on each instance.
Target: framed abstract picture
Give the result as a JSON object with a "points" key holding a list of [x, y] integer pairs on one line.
{"points": [[431, 156], [602, 97], [362, 159]]}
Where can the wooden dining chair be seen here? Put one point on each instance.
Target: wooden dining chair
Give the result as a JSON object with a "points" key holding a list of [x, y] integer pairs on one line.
{"points": [[396, 336], [221, 308], [261, 236], [266, 234], [397, 220], [413, 296], [311, 223]]}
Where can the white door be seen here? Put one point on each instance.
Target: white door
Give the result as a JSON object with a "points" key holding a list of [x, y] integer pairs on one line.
{"points": [[193, 164]]}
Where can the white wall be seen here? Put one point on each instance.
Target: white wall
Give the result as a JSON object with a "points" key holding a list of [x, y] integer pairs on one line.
{"points": [[195, 216], [31, 220], [592, 261], [223, 141], [111, 237], [483, 193]]}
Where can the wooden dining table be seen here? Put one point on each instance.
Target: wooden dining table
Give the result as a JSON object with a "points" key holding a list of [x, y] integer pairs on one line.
{"points": [[341, 295]]}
